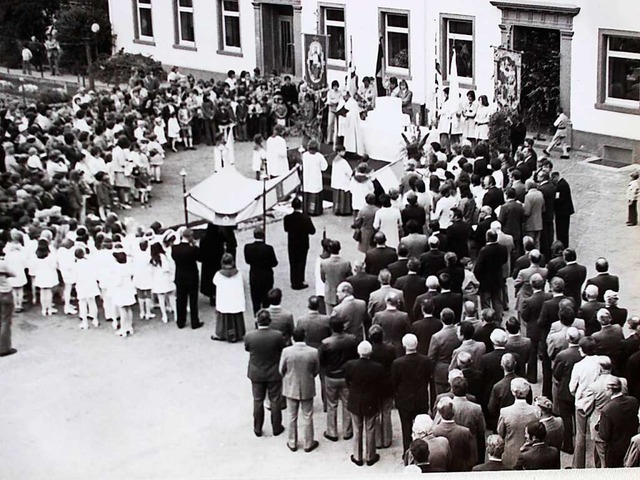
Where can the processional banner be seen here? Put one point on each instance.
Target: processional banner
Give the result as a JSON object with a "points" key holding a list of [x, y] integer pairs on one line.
{"points": [[315, 60], [507, 77]]}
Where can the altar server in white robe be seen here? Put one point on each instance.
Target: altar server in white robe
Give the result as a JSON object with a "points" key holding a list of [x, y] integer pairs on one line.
{"points": [[313, 164], [277, 161], [450, 124], [349, 124]]}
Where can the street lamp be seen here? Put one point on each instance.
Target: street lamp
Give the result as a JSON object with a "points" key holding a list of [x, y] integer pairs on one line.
{"points": [[183, 175], [95, 28]]}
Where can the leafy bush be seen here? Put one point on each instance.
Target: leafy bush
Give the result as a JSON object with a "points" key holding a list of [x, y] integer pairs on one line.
{"points": [[52, 96], [499, 130], [117, 68]]}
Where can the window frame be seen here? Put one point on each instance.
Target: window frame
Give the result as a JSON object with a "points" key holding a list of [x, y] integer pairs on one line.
{"points": [[603, 101], [445, 18], [323, 23], [385, 29], [138, 36], [222, 38], [180, 42]]}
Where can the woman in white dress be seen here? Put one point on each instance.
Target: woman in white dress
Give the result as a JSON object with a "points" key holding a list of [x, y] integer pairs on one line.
{"points": [[388, 221], [469, 117], [16, 258], [86, 276], [230, 301], [143, 278], [124, 292], [482, 118], [46, 275], [104, 263], [162, 278]]}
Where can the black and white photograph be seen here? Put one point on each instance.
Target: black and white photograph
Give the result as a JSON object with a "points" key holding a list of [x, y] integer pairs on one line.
{"points": [[319, 238]]}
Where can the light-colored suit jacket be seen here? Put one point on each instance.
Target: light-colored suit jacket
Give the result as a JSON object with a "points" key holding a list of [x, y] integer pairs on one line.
{"points": [[533, 209], [333, 271], [353, 313], [299, 365], [511, 425], [441, 348], [474, 348], [378, 299]]}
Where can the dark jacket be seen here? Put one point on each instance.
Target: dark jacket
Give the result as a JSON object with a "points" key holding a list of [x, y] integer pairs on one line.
{"points": [[316, 328], [538, 457], [265, 347], [548, 191], [364, 378], [604, 282], [335, 351], [363, 284], [618, 424], [574, 276], [298, 226], [511, 217], [490, 466], [563, 204], [395, 325], [458, 235], [411, 375], [261, 259], [385, 355], [531, 308], [562, 367], [488, 268], [412, 286], [424, 329], [493, 198], [186, 257], [398, 269], [378, 258], [431, 262], [448, 300]]}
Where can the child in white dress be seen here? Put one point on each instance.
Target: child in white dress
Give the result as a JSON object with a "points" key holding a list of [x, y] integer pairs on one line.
{"points": [[173, 130], [15, 256], [46, 275], [124, 291], [143, 279], [104, 264], [163, 274], [86, 275], [66, 265], [259, 157]]}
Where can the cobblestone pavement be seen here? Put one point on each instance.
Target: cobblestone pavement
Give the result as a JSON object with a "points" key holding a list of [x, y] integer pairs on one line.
{"points": [[172, 403]]}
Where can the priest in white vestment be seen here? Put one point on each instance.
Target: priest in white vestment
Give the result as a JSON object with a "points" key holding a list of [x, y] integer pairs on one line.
{"points": [[277, 161], [349, 124]]}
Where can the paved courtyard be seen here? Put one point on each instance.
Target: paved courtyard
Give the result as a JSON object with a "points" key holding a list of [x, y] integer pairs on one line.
{"points": [[172, 403]]}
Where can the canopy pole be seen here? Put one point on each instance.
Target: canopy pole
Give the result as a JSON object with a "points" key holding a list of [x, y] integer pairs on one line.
{"points": [[264, 206]]}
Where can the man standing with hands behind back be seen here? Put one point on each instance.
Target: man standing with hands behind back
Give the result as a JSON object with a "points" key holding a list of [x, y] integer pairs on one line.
{"points": [[187, 255], [298, 226], [261, 259]]}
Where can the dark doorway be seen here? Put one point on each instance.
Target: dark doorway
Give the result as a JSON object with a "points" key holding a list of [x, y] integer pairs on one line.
{"points": [[278, 41], [540, 81]]}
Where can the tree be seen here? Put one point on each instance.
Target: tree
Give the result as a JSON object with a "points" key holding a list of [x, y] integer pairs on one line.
{"points": [[117, 68], [74, 30], [19, 21]]}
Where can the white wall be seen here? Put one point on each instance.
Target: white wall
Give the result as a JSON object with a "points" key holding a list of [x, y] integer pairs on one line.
{"points": [[206, 35], [595, 14]]}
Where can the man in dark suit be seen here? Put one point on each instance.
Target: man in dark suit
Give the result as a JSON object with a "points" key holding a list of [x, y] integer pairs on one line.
{"points": [[618, 423], [433, 287], [414, 212], [411, 375], [489, 324], [511, 217], [619, 316], [362, 282], [563, 400], [632, 374], [501, 395], [315, 325], [265, 347], [573, 275], [493, 196], [412, 285], [333, 271], [548, 315], [563, 207], [395, 324], [472, 375], [489, 272], [186, 256], [426, 327], [458, 234], [380, 256], [631, 344], [335, 351], [518, 344], [419, 450], [352, 312], [298, 226], [495, 449], [447, 299], [467, 414], [588, 309], [399, 268], [464, 452], [299, 365], [603, 280], [384, 354], [441, 348], [261, 259], [281, 319], [432, 261], [364, 377], [535, 453], [609, 339], [530, 312], [548, 191]]}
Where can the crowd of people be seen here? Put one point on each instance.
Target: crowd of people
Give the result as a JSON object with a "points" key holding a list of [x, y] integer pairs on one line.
{"points": [[424, 321]]}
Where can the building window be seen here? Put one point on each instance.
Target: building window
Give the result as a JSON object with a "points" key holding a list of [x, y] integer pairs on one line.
{"points": [[458, 37], [396, 38], [623, 70], [333, 25], [230, 26], [186, 35], [144, 21]]}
